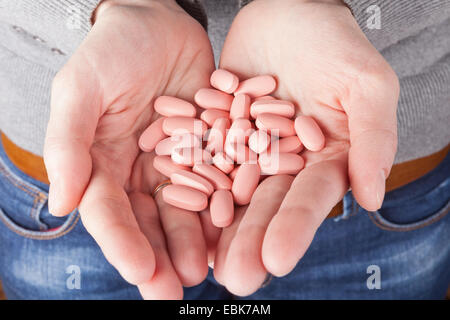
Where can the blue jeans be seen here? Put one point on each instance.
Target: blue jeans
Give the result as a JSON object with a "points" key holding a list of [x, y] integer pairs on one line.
{"points": [[401, 251]]}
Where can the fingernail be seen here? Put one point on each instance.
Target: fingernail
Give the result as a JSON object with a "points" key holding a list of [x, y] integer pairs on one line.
{"points": [[381, 187]]}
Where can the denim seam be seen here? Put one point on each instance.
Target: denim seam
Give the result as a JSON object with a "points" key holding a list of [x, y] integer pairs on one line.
{"points": [[74, 220], [378, 222], [37, 195]]}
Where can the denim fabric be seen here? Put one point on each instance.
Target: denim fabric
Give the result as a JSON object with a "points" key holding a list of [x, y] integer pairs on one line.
{"points": [[45, 257], [405, 245]]}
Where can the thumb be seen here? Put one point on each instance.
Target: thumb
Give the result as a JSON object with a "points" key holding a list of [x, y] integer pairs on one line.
{"points": [[372, 123], [75, 110]]}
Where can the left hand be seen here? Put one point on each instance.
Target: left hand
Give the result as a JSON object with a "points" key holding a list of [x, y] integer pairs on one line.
{"points": [[328, 68]]}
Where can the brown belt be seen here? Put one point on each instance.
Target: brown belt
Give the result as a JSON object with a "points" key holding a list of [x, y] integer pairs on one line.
{"points": [[401, 174]]}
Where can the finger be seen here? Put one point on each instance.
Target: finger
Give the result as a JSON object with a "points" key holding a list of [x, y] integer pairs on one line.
{"points": [[75, 110], [223, 245], [185, 241], [312, 195], [372, 124], [211, 233], [244, 271], [165, 283], [107, 215]]}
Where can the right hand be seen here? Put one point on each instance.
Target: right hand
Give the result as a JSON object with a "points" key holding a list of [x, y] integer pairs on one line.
{"points": [[101, 102]]}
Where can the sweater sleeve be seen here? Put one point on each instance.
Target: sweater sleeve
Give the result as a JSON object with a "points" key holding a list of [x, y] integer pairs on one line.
{"points": [[385, 22]]}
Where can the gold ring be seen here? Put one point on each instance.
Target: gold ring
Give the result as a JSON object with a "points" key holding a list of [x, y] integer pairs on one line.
{"points": [[160, 186]]}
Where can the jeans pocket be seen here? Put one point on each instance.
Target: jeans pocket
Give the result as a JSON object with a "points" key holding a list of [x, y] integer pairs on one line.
{"points": [[68, 225], [416, 212]]}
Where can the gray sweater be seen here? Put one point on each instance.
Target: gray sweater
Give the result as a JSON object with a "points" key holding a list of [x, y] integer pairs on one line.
{"points": [[38, 36]]}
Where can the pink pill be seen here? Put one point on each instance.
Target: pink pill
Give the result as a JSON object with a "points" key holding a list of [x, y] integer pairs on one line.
{"points": [[171, 107], [264, 98], [217, 134], [309, 133], [222, 208], [223, 162], [185, 197], [239, 131], [224, 80], [218, 179], [285, 145], [166, 166], [213, 99], [167, 146], [190, 156], [280, 163], [152, 135], [275, 124], [211, 115], [257, 86], [278, 107], [192, 180], [245, 183], [259, 141], [182, 125], [240, 108], [232, 174], [240, 153]]}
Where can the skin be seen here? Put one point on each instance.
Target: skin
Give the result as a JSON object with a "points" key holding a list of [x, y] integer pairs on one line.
{"points": [[101, 102], [323, 62]]}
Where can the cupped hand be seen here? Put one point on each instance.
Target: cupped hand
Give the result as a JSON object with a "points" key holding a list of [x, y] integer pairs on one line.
{"points": [[328, 68], [101, 102]]}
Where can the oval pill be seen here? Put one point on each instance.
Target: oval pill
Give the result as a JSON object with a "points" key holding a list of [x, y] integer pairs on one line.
{"points": [[239, 131], [185, 197], [232, 174], [224, 80], [290, 144], [171, 107], [275, 124], [222, 208], [240, 108], [190, 179], [166, 166], [309, 133], [278, 107], [257, 86], [240, 153], [213, 99], [166, 146], [259, 141], [182, 125], [280, 163], [190, 156], [218, 179], [245, 183], [264, 98], [217, 135], [211, 115], [152, 135], [223, 162]]}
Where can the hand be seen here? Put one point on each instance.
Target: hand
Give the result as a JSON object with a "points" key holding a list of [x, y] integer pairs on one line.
{"points": [[101, 102], [323, 63]]}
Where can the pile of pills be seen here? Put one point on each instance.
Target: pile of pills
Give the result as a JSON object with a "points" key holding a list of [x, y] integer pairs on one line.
{"points": [[242, 134]]}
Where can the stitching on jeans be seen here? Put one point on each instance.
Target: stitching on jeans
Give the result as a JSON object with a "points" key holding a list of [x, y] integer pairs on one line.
{"points": [[378, 222], [69, 228], [37, 195]]}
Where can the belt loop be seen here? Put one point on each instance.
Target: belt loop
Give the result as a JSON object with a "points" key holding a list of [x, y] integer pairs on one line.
{"points": [[347, 208]]}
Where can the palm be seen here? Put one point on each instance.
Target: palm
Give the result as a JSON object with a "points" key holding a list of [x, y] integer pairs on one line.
{"points": [[317, 53], [127, 60]]}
